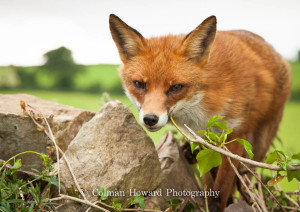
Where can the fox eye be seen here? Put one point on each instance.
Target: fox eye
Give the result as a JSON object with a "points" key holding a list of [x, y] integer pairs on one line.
{"points": [[175, 88], [139, 85]]}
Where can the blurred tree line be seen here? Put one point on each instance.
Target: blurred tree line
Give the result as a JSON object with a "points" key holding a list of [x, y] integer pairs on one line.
{"points": [[61, 65], [58, 73]]}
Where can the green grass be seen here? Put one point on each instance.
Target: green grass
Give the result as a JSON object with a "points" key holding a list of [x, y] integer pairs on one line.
{"points": [[288, 131], [106, 75], [296, 75]]}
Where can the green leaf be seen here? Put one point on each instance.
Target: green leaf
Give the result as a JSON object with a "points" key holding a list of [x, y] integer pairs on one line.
{"points": [[15, 201], [104, 193], [139, 199], [35, 193], [203, 132], [31, 207], [293, 174], [46, 160], [173, 202], [293, 162], [228, 131], [282, 154], [4, 209], [43, 156], [190, 207], [37, 171], [272, 157], [213, 136], [2, 178], [276, 155], [248, 147], [116, 204], [223, 137], [194, 146], [283, 164], [220, 125], [52, 180], [208, 159], [296, 156], [17, 165], [213, 120]]}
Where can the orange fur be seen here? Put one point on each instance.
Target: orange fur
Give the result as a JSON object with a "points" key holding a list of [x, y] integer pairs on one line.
{"points": [[235, 74]]}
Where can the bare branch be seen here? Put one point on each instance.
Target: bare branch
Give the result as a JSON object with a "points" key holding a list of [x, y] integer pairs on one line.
{"points": [[200, 140]]}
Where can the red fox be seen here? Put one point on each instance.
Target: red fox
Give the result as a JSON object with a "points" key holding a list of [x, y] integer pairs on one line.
{"points": [[235, 74]]}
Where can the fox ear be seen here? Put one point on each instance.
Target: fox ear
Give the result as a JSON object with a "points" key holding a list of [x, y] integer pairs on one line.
{"points": [[128, 40], [196, 45]]}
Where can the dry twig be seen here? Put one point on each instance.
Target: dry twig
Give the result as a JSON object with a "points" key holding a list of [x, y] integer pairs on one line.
{"points": [[253, 197], [62, 196], [205, 199], [52, 138], [272, 195], [48, 133], [261, 195]]}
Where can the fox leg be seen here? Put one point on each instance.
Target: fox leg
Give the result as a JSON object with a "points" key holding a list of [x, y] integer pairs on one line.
{"points": [[225, 178], [264, 136]]}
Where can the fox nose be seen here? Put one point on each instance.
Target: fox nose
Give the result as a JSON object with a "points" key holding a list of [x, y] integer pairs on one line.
{"points": [[150, 119]]}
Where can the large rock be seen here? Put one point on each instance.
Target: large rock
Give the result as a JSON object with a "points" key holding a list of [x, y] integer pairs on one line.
{"points": [[18, 133], [179, 179], [113, 151]]}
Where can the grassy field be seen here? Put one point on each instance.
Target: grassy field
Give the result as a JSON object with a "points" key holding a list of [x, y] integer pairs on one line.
{"points": [[107, 76]]}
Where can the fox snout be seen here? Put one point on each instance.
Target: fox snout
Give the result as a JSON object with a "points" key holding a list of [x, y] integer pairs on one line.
{"points": [[152, 121]]}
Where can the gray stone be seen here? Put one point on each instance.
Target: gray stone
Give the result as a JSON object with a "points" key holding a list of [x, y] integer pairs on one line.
{"points": [[18, 133], [241, 206], [113, 151], [72, 206]]}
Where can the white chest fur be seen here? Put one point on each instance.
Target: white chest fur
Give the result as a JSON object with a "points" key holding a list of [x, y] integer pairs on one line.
{"points": [[195, 116]]}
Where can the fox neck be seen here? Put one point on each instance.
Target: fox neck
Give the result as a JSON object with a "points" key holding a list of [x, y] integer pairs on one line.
{"points": [[190, 113]]}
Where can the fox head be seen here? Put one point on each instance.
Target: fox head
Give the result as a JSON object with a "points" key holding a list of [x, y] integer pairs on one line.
{"points": [[163, 76]]}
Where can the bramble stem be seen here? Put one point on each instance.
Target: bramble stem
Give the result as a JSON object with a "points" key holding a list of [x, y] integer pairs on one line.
{"points": [[13, 157]]}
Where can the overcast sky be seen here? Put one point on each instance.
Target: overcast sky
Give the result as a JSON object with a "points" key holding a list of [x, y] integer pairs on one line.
{"points": [[29, 28]]}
